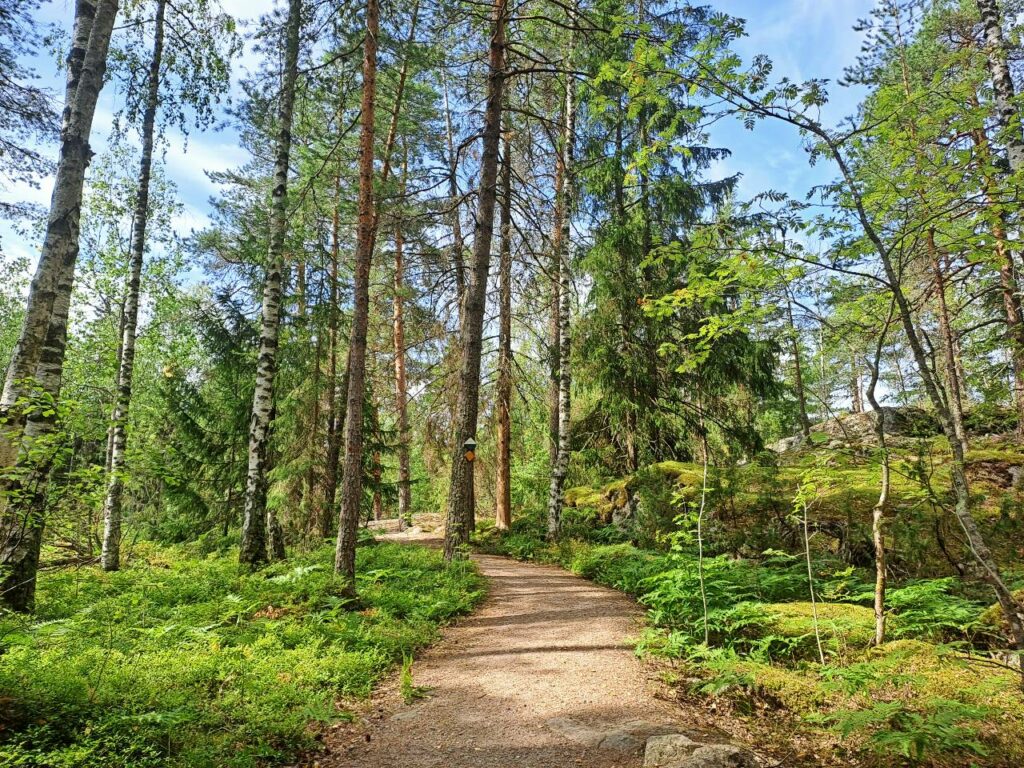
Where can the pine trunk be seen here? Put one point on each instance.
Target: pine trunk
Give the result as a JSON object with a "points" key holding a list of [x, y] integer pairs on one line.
{"points": [[253, 551], [111, 554], [329, 513], [503, 490], [954, 390], [401, 387], [460, 493], [352, 473]]}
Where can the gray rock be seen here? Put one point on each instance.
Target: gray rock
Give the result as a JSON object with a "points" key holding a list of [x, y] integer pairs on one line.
{"points": [[787, 444], [679, 751], [718, 756], [669, 751]]}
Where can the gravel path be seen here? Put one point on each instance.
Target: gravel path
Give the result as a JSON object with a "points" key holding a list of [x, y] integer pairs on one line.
{"points": [[541, 676]]}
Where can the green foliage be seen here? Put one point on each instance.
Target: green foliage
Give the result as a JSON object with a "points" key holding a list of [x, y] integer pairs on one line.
{"points": [[180, 659], [938, 726]]}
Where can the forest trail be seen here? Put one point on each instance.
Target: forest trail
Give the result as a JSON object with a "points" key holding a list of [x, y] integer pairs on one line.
{"points": [[541, 676]]}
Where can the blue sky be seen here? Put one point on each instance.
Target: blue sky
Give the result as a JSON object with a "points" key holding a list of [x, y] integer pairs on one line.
{"points": [[805, 38]]}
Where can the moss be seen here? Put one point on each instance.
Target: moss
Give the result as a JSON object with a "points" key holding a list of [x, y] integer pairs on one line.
{"points": [[992, 621], [583, 496], [798, 691], [680, 472], [842, 626]]}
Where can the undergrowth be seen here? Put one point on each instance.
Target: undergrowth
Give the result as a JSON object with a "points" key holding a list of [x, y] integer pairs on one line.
{"points": [[181, 660], [916, 700]]}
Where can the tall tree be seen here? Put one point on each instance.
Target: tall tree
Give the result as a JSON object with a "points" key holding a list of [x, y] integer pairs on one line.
{"points": [[38, 357], [563, 260], [503, 486], [352, 471], [111, 555], [460, 494], [253, 551]]}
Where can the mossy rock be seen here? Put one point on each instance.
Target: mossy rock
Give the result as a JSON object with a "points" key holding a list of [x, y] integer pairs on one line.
{"points": [[842, 626], [796, 690], [992, 621]]}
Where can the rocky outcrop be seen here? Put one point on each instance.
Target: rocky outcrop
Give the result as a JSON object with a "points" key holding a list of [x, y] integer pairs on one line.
{"points": [[859, 428]]}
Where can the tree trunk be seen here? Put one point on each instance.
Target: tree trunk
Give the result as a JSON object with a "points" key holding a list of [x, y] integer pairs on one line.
{"points": [[401, 388], [87, 62], [329, 513], [881, 506], [503, 490], [378, 502], [352, 474], [1002, 84], [253, 550], [554, 327], [856, 399], [458, 243], [563, 257], [798, 376], [38, 356], [1012, 610], [954, 391], [111, 554], [460, 493], [1007, 279]]}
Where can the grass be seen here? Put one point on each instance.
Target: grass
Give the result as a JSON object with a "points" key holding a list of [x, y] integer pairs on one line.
{"points": [[182, 660]]}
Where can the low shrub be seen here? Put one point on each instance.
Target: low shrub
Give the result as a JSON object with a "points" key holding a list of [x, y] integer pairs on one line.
{"points": [[182, 660]]}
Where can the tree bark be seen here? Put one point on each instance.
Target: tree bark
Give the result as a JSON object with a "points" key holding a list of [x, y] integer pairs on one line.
{"points": [[330, 512], [798, 376], [554, 328], [1002, 84], [87, 62], [38, 357], [881, 506], [503, 489], [564, 277], [253, 550], [954, 390], [401, 387], [1007, 279], [460, 493], [352, 474], [111, 553]]}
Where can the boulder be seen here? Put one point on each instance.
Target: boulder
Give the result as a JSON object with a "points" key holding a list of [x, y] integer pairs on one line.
{"points": [[679, 751], [669, 751], [718, 756]]}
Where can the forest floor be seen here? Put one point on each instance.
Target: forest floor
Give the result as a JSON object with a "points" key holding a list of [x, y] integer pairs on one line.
{"points": [[542, 675]]}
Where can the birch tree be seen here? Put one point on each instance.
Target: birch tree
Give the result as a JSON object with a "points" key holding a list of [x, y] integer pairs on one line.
{"points": [[564, 280], [200, 75], [37, 361], [255, 522]]}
